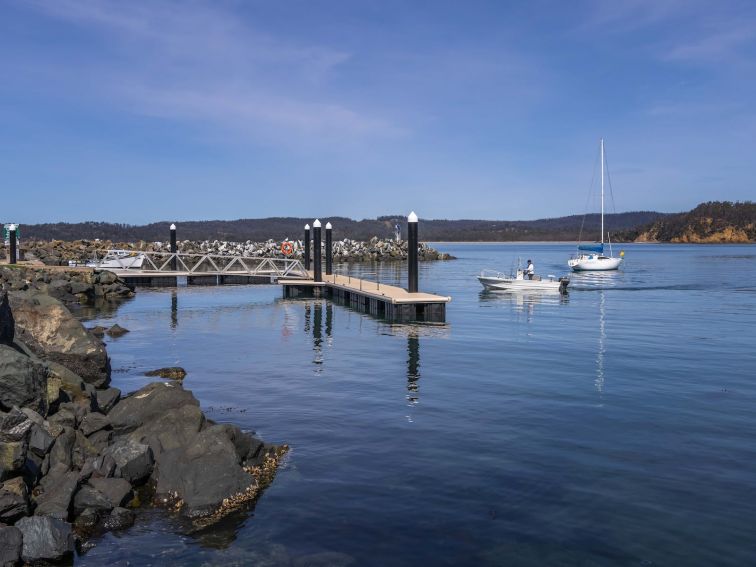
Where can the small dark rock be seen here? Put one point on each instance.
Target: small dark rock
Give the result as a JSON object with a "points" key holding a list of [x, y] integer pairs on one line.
{"points": [[62, 448], [103, 466], [14, 500], [116, 490], [133, 460], [93, 422], [64, 417], [107, 398], [83, 450], [90, 497], [12, 457], [101, 439], [98, 331], [14, 425], [40, 441], [7, 323], [105, 278], [87, 521], [171, 373], [116, 331], [119, 519], [45, 539]]}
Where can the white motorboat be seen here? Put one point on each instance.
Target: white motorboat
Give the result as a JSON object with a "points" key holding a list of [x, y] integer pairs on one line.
{"points": [[118, 260], [492, 280], [591, 257]]}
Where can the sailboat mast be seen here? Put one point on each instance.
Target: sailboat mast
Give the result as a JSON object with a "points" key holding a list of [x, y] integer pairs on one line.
{"points": [[602, 190]]}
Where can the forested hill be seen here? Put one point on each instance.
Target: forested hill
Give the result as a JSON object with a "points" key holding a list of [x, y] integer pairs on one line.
{"points": [[278, 228], [715, 221]]}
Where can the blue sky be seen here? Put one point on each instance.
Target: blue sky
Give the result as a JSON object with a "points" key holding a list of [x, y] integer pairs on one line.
{"points": [[142, 111]]}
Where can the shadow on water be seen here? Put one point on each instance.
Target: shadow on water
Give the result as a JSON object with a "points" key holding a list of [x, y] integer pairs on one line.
{"points": [[98, 309]]}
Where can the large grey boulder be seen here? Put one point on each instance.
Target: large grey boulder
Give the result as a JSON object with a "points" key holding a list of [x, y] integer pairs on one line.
{"points": [[203, 474], [11, 543], [171, 430], [147, 404], [45, 539], [49, 329], [57, 491], [23, 381]]}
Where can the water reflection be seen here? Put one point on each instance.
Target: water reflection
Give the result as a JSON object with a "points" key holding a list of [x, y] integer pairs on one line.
{"points": [[174, 309], [413, 368], [524, 301], [596, 280], [601, 347]]}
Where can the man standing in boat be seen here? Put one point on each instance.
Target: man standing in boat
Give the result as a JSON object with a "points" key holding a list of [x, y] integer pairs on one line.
{"points": [[530, 270]]}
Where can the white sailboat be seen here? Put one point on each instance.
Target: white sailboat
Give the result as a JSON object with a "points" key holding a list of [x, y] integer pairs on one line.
{"points": [[591, 257]]}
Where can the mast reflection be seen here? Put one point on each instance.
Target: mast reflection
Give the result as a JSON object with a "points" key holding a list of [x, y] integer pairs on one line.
{"points": [[601, 346]]}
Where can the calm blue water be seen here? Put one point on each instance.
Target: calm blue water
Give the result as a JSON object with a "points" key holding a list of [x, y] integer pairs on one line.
{"points": [[616, 426]]}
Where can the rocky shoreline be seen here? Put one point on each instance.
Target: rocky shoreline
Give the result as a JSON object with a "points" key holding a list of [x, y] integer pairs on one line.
{"points": [[60, 252], [77, 457]]}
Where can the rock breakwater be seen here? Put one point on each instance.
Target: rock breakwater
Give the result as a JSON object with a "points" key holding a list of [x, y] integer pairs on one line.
{"points": [[60, 252], [77, 458], [68, 286]]}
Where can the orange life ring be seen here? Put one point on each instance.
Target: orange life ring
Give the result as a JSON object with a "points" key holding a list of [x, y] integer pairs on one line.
{"points": [[287, 248]]}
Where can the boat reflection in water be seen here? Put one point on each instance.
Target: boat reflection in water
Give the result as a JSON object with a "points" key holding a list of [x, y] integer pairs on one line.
{"points": [[523, 301]]}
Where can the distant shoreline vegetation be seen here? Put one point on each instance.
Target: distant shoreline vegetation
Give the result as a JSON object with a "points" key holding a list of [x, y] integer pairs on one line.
{"points": [[709, 222]]}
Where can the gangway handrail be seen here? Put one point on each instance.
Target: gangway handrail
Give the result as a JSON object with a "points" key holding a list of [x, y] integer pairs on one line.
{"points": [[156, 262]]}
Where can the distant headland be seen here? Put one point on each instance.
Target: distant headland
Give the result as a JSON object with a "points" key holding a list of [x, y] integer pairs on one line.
{"points": [[709, 222]]}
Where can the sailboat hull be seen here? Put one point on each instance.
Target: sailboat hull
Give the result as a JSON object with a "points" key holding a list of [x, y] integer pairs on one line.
{"points": [[594, 263]]}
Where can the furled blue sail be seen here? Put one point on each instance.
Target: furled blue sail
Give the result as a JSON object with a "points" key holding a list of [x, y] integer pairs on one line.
{"points": [[591, 248]]}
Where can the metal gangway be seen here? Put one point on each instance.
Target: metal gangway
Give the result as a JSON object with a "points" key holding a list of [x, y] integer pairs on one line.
{"points": [[135, 263]]}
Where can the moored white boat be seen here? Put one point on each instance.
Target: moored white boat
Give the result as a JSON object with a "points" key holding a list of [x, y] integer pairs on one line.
{"points": [[119, 260], [492, 280], [591, 257]]}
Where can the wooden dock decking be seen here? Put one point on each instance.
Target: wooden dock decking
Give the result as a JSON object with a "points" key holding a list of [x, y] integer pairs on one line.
{"points": [[382, 300]]}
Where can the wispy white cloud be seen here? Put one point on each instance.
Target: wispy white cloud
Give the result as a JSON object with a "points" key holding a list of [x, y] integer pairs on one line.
{"points": [[725, 43], [201, 63], [631, 15]]}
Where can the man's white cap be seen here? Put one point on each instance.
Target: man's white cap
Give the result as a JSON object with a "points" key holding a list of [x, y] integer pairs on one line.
{"points": [[316, 224], [412, 217], [328, 226], [173, 227]]}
